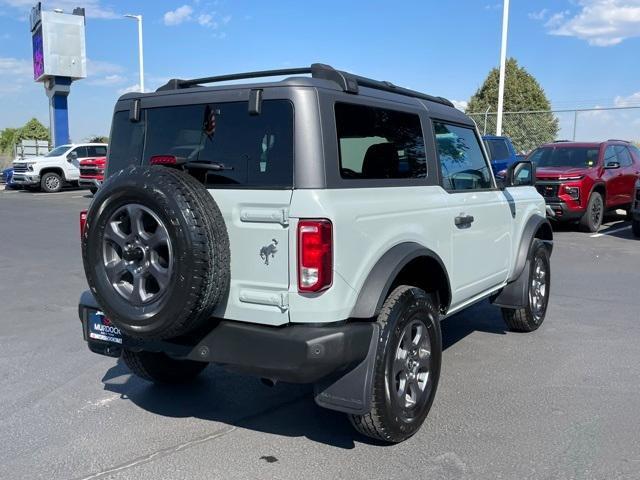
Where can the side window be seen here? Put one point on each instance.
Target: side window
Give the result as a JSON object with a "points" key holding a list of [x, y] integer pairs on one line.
{"points": [[376, 143], [610, 155], [81, 152], [498, 149], [461, 161], [97, 151], [624, 157]]}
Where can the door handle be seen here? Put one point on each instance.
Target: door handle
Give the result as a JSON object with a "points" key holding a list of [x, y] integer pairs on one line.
{"points": [[464, 221]]}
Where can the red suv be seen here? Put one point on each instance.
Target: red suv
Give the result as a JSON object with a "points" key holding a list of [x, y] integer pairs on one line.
{"points": [[580, 181], [92, 173]]}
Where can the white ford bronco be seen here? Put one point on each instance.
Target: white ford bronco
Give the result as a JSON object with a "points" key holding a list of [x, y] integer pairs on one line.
{"points": [[312, 230]]}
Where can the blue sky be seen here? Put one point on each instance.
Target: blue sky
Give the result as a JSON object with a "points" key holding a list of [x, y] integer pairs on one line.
{"points": [[583, 52]]}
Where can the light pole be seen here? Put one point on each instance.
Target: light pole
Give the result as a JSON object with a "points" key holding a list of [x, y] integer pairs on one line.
{"points": [[503, 64], [140, 52]]}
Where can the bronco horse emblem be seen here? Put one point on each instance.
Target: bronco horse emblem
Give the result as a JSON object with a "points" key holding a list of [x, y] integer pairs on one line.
{"points": [[269, 251]]}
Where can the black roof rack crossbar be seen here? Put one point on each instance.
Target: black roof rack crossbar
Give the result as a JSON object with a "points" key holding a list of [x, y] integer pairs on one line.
{"points": [[347, 81]]}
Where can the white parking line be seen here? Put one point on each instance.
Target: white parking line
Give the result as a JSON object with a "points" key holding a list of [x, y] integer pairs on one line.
{"points": [[609, 232]]}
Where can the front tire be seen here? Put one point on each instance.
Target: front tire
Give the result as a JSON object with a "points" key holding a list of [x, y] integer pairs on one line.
{"points": [[530, 318], [407, 367], [591, 221], [159, 368], [635, 226], [51, 182]]}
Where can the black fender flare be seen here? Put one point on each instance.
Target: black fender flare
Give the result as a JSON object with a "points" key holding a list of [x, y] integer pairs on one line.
{"points": [[381, 277], [535, 223], [515, 293]]}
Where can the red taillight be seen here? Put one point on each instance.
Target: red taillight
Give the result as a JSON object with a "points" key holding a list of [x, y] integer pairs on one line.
{"points": [[83, 221], [315, 255], [163, 160]]}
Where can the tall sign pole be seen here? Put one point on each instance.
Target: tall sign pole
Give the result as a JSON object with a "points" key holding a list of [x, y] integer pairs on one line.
{"points": [[503, 65]]}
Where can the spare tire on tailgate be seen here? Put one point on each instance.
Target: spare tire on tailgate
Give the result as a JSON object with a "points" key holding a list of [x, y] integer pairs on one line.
{"points": [[156, 252]]}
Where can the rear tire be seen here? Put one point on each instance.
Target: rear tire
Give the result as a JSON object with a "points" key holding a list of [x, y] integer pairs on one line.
{"points": [[159, 368], [407, 367], [591, 221], [530, 318], [635, 226], [93, 190]]}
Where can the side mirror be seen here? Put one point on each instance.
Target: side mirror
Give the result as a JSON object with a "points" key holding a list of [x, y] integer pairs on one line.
{"points": [[612, 165], [521, 173], [72, 156]]}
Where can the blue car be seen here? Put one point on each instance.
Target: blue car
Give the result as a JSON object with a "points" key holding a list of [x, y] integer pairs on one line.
{"points": [[501, 152], [7, 178]]}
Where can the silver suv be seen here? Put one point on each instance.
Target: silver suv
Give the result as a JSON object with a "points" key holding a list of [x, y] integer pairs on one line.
{"points": [[313, 230]]}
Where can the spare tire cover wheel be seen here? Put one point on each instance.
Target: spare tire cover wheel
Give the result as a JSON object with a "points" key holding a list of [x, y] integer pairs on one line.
{"points": [[156, 252]]}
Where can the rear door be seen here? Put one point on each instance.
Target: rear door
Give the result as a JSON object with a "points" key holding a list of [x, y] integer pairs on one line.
{"points": [[480, 223], [246, 163], [629, 174], [72, 170], [613, 178]]}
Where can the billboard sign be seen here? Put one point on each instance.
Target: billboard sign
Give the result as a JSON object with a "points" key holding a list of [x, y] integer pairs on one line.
{"points": [[58, 41]]}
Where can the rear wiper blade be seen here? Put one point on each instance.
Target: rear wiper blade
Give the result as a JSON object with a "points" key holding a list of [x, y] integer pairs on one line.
{"points": [[203, 165]]}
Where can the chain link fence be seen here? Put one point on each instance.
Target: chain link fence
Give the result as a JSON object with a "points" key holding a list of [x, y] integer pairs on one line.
{"points": [[530, 129]]}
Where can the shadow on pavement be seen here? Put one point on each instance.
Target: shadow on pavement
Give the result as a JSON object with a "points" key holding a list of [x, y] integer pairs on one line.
{"points": [[285, 409]]}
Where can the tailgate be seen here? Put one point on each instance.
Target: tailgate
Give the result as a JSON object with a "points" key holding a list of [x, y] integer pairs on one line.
{"points": [[258, 227]]}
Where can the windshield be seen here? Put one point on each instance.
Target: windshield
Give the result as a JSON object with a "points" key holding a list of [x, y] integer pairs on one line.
{"points": [[574, 157], [56, 152]]}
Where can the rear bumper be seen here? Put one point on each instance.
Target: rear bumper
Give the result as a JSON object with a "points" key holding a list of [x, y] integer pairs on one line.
{"points": [[293, 353]]}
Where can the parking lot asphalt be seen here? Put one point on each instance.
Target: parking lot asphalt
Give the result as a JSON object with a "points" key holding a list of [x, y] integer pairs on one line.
{"points": [[560, 403]]}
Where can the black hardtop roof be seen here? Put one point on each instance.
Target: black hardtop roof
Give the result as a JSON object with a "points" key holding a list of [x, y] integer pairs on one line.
{"points": [[322, 76]]}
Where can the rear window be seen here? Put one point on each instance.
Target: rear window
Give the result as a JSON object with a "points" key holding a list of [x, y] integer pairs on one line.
{"points": [[250, 150], [253, 151]]}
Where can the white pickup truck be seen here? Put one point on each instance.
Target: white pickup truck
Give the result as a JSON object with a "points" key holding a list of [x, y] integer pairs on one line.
{"points": [[61, 165]]}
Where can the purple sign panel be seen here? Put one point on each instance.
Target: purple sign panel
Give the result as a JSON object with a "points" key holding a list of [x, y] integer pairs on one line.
{"points": [[38, 54]]}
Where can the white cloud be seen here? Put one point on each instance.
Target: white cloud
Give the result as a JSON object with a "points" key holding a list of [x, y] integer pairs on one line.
{"points": [[541, 15], [129, 89], [600, 23], [632, 100], [460, 104], [206, 20], [93, 8], [179, 15], [226, 19], [15, 75], [108, 80], [100, 67], [556, 19]]}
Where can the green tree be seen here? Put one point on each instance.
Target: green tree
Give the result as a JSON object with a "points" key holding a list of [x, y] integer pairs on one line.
{"points": [[32, 130], [7, 140], [97, 139], [522, 93]]}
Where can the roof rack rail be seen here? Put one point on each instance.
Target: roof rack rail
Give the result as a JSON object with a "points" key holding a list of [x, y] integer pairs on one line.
{"points": [[347, 81], [561, 141], [618, 140]]}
